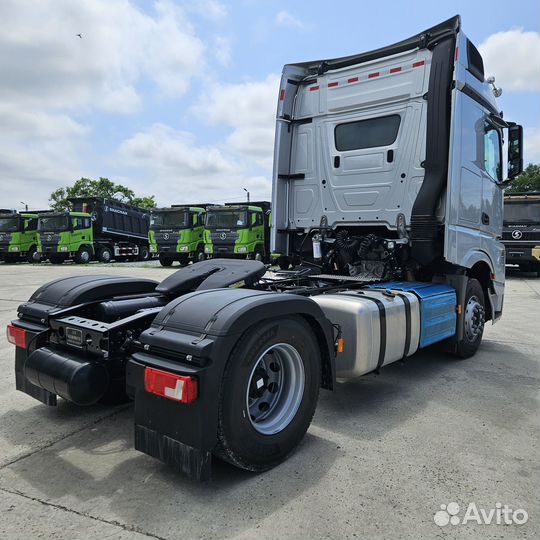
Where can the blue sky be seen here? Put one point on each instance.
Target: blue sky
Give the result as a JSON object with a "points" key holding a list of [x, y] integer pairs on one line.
{"points": [[177, 98]]}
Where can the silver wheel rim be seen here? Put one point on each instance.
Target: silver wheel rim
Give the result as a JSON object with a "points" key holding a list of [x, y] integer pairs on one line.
{"points": [[106, 256], [85, 256], [275, 389], [258, 256], [474, 319], [200, 257]]}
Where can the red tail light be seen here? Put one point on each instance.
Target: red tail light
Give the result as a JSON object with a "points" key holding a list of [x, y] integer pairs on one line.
{"points": [[168, 385], [16, 336]]}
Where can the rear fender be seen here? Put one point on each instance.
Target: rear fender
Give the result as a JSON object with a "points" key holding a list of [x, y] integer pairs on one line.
{"points": [[206, 325], [66, 292]]}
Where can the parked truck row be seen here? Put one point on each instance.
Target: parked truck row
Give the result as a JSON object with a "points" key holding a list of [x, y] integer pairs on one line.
{"points": [[387, 201], [105, 230]]}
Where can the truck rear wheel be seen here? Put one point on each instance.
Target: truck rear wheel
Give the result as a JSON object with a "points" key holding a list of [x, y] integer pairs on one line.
{"points": [[83, 256], [105, 255], [164, 260], [474, 317], [144, 253], [268, 393]]}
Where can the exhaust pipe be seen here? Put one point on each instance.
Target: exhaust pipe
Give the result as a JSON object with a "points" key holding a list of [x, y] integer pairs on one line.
{"points": [[80, 381]]}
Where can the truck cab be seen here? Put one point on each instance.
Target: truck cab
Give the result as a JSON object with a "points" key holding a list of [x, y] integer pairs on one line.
{"points": [[389, 164], [19, 238], [177, 234], [521, 230], [66, 235], [238, 231]]}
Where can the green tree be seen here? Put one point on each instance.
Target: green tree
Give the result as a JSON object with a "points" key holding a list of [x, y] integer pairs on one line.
{"points": [[528, 180], [85, 187]]}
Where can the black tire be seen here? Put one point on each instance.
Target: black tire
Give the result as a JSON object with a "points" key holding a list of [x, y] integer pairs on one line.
{"points": [[144, 253], [105, 255], [33, 255], [258, 255], [54, 259], [164, 260], [83, 256], [473, 320], [240, 442], [538, 270], [200, 255]]}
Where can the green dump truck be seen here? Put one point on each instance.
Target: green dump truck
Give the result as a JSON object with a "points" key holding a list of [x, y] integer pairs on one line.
{"points": [[19, 238], [238, 231], [96, 228], [177, 233]]}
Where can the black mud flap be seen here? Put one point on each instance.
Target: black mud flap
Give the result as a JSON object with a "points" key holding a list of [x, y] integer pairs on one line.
{"points": [[196, 464]]}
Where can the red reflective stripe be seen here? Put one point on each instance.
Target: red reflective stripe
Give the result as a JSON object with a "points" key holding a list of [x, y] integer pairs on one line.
{"points": [[418, 64], [372, 75], [354, 79], [395, 70], [332, 84], [457, 53], [313, 88], [282, 94]]}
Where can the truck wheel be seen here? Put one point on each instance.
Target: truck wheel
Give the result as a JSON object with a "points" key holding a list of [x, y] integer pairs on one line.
{"points": [[268, 393], [105, 255], [474, 317], [144, 253], [200, 256], [33, 256], [54, 259], [83, 256], [258, 255], [164, 260], [284, 263]]}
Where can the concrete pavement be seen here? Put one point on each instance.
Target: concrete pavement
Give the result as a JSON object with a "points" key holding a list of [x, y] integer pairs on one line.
{"points": [[381, 457]]}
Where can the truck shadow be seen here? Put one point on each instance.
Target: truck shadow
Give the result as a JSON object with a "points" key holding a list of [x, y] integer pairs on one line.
{"points": [[370, 406], [96, 471]]}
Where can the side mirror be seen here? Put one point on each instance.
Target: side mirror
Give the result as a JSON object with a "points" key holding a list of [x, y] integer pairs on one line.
{"points": [[515, 151]]}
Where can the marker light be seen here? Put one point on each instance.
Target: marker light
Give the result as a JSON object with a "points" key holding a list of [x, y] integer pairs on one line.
{"points": [[16, 336], [168, 385]]}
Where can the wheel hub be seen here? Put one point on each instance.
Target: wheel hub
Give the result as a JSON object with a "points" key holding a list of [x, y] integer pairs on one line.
{"points": [[275, 389], [474, 318]]}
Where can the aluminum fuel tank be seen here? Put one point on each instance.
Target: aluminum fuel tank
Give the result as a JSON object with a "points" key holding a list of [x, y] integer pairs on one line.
{"points": [[378, 327]]}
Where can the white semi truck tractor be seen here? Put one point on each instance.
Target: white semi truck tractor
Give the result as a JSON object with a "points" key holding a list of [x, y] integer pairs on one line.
{"points": [[388, 208]]}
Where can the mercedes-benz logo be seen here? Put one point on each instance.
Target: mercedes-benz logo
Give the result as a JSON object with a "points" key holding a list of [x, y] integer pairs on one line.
{"points": [[223, 236], [165, 236], [516, 235]]}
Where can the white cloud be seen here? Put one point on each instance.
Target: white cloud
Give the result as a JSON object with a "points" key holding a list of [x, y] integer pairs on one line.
{"points": [[513, 58], [249, 108], [177, 170], [208, 9], [284, 18], [53, 81], [531, 144], [223, 50]]}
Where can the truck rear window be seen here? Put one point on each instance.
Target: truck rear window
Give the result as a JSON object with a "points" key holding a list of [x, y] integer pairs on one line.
{"points": [[367, 133]]}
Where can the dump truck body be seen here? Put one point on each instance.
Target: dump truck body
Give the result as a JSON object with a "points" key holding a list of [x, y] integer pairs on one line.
{"points": [[96, 228]]}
